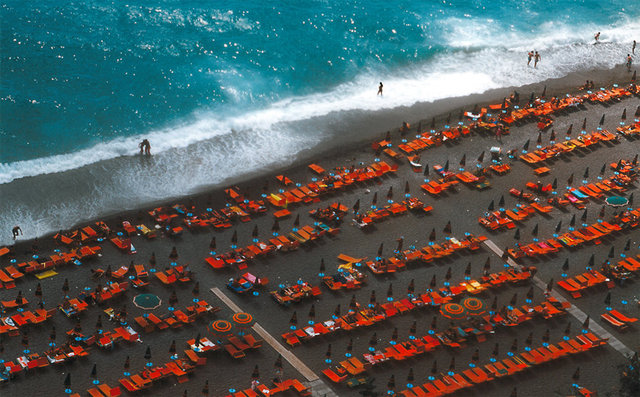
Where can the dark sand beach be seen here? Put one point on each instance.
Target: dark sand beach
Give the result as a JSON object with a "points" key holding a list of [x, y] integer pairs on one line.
{"points": [[461, 207]]}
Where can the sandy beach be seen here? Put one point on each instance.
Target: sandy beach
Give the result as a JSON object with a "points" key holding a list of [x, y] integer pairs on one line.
{"points": [[461, 207]]}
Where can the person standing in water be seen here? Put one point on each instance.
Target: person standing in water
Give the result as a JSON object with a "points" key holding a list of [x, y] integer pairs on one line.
{"points": [[597, 37], [633, 47], [16, 231], [145, 147], [536, 59], [529, 57], [379, 89]]}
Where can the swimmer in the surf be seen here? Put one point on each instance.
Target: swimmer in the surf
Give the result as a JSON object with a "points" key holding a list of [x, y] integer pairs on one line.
{"points": [[536, 59], [529, 56], [597, 37]]}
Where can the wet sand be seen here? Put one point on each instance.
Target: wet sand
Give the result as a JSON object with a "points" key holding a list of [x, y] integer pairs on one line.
{"points": [[461, 207]]}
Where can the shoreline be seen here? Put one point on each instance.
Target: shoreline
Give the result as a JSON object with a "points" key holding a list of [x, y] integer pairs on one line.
{"points": [[369, 126], [461, 207]]}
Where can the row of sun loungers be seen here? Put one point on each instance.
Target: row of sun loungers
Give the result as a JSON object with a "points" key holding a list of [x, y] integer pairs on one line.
{"points": [[176, 318], [454, 337], [469, 378], [11, 324], [241, 256], [598, 230], [74, 306], [9, 369], [425, 254], [261, 390], [12, 273], [338, 180], [363, 317], [557, 149], [576, 285]]}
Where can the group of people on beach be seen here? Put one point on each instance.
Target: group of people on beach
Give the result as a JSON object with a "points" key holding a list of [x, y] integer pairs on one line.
{"points": [[535, 56]]}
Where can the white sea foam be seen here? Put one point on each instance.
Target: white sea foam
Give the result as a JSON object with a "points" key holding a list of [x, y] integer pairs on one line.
{"points": [[208, 148]]}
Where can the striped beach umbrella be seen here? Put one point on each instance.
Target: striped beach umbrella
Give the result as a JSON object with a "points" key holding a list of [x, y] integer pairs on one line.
{"points": [[453, 311], [221, 328], [474, 306]]}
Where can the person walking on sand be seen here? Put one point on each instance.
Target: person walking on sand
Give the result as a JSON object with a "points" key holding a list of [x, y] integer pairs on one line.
{"points": [[629, 60], [379, 89], [597, 37], [16, 231], [529, 57], [536, 59]]}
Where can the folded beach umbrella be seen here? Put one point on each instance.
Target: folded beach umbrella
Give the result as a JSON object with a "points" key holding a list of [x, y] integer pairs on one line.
{"points": [[275, 227], [278, 363], [601, 120], [433, 124], [426, 170], [496, 350], [234, 239], [452, 364], [349, 348], [448, 119], [487, 264], [434, 367], [529, 339], [411, 288], [356, 206], [585, 324], [390, 193], [447, 228], [400, 244], [586, 173], [353, 304], [624, 114], [637, 114], [570, 129], [544, 91], [432, 283], [205, 389], [539, 140], [446, 166], [481, 157], [552, 136], [312, 313], [419, 131], [255, 375], [174, 253], [432, 235], [391, 384], [390, 291], [570, 180], [526, 145], [394, 335], [336, 312], [501, 202], [491, 206], [546, 335], [434, 323], [463, 160], [327, 355], [374, 202], [322, 266], [372, 298]]}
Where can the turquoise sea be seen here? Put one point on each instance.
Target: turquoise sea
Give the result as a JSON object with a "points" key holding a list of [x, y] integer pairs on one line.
{"points": [[222, 89]]}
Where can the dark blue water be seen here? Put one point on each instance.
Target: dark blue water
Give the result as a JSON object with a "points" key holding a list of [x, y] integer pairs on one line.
{"points": [[83, 82]]}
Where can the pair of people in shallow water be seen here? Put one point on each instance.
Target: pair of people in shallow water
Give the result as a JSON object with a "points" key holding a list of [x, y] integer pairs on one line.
{"points": [[535, 56], [145, 147]]}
